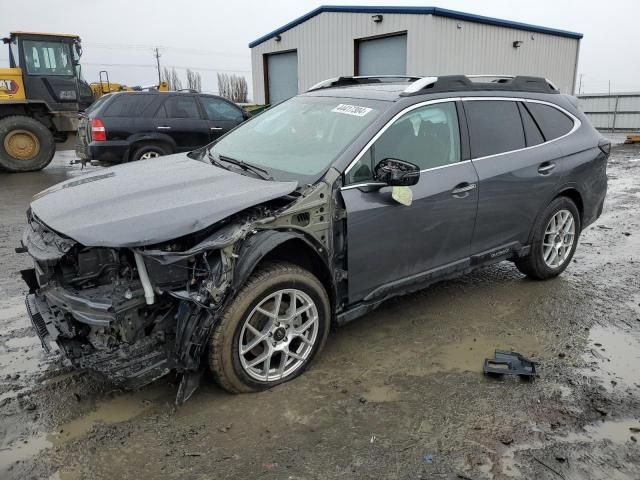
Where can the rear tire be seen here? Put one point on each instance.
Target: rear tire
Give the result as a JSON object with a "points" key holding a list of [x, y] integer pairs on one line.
{"points": [[147, 152], [245, 334], [555, 238], [26, 145]]}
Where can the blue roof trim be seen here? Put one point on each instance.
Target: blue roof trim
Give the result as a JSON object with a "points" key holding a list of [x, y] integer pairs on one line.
{"points": [[441, 12]]}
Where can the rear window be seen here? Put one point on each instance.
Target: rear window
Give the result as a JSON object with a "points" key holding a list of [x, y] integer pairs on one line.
{"points": [[552, 121], [494, 127], [128, 105]]}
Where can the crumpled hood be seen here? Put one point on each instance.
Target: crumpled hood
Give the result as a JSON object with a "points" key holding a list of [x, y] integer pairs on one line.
{"points": [[149, 201]]}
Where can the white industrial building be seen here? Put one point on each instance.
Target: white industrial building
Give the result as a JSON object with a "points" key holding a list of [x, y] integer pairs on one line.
{"points": [[333, 41]]}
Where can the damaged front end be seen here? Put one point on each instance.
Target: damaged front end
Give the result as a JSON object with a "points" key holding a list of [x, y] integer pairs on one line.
{"points": [[131, 314], [136, 313]]}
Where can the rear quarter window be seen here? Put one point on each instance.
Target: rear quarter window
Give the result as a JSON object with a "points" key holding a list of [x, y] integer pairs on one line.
{"points": [[128, 105], [494, 127], [551, 121]]}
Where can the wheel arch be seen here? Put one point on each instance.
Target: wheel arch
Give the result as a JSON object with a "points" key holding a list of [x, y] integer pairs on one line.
{"points": [[569, 191], [138, 140], [292, 247], [37, 110]]}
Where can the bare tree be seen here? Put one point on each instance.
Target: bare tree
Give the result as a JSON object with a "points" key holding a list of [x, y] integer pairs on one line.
{"points": [[194, 81], [233, 87], [171, 77]]}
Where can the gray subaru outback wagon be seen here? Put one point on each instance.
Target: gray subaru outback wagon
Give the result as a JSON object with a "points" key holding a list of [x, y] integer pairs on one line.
{"points": [[239, 256]]}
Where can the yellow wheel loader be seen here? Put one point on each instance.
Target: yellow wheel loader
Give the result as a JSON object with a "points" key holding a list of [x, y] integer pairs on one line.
{"points": [[41, 94]]}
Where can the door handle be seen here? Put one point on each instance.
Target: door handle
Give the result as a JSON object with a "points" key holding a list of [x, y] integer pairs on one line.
{"points": [[463, 189], [545, 168], [164, 128], [216, 128]]}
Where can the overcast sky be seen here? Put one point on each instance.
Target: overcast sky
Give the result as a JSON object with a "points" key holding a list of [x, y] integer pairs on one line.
{"points": [[212, 35]]}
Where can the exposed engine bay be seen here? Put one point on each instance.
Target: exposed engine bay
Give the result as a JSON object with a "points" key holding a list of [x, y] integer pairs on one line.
{"points": [[136, 313]]}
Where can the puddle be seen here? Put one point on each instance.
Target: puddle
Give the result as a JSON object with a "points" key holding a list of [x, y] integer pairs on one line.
{"points": [[21, 362], [468, 354], [13, 310], [615, 431], [23, 342], [614, 355], [22, 451], [382, 393], [115, 410]]}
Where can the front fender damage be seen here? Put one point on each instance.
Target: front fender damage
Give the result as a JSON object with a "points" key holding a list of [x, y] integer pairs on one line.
{"points": [[135, 314]]}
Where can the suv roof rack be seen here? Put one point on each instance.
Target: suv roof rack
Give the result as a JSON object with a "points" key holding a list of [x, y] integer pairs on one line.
{"points": [[452, 83], [360, 80]]}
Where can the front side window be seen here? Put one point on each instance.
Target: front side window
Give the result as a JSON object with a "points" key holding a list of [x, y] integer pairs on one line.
{"points": [[428, 137], [301, 137], [218, 109], [47, 58], [494, 127], [179, 106]]}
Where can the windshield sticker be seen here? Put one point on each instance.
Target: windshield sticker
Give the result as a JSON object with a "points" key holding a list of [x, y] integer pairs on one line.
{"points": [[352, 110]]}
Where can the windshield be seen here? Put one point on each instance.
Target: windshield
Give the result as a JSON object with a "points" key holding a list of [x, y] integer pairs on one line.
{"points": [[300, 138]]}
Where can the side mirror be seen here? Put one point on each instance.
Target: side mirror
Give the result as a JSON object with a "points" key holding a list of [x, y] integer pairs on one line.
{"points": [[397, 173]]}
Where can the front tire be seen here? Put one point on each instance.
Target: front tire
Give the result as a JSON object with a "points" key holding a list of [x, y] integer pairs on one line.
{"points": [[26, 145], [272, 330], [555, 238]]}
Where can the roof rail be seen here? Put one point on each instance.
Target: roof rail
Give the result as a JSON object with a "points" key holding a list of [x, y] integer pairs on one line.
{"points": [[452, 83], [359, 80]]}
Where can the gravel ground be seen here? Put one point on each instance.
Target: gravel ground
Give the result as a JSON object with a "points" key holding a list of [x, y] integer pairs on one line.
{"points": [[398, 394]]}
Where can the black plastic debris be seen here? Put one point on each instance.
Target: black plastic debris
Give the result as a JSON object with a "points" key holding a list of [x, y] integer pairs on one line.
{"points": [[509, 363]]}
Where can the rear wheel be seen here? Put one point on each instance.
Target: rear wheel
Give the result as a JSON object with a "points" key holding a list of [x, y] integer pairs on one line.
{"points": [[271, 331], [26, 144], [147, 152], [555, 237]]}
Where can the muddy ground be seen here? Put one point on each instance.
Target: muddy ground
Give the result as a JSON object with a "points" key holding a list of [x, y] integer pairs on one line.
{"points": [[398, 394]]}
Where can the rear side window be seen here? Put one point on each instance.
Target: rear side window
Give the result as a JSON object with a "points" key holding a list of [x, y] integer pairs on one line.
{"points": [[179, 106], [532, 133], [128, 105], [552, 121], [494, 127]]}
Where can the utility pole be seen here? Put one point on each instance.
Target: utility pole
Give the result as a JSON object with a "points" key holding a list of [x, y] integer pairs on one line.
{"points": [[580, 85], [157, 55]]}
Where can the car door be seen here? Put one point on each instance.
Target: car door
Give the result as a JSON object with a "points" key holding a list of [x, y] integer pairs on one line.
{"points": [[516, 173], [391, 245], [221, 115], [180, 117]]}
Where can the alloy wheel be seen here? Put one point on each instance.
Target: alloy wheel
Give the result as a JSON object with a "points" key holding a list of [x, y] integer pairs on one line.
{"points": [[278, 335], [148, 155], [559, 237]]}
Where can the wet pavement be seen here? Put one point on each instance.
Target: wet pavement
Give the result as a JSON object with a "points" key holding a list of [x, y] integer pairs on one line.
{"points": [[397, 394]]}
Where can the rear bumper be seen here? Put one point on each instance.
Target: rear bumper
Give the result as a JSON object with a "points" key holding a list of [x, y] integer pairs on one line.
{"points": [[111, 151]]}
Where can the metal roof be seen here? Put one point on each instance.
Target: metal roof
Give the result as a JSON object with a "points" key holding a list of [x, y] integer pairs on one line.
{"points": [[441, 12]]}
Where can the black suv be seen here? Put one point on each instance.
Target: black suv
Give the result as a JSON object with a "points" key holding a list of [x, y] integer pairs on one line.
{"points": [[241, 254], [126, 126]]}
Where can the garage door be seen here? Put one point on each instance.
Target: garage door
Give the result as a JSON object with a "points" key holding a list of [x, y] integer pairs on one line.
{"points": [[383, 56], [282, 75]]}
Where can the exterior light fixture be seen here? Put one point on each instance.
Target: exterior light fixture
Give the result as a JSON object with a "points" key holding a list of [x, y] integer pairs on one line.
{"points": [[277, 38], [376, 18], [517, 44]]}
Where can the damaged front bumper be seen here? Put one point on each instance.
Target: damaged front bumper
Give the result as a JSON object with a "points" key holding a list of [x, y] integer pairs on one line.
{"points": [[128, 365]]}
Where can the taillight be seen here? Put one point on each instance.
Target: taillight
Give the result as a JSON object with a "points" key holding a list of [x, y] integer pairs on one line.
{"points": [[605, 146], [98, 132]]}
